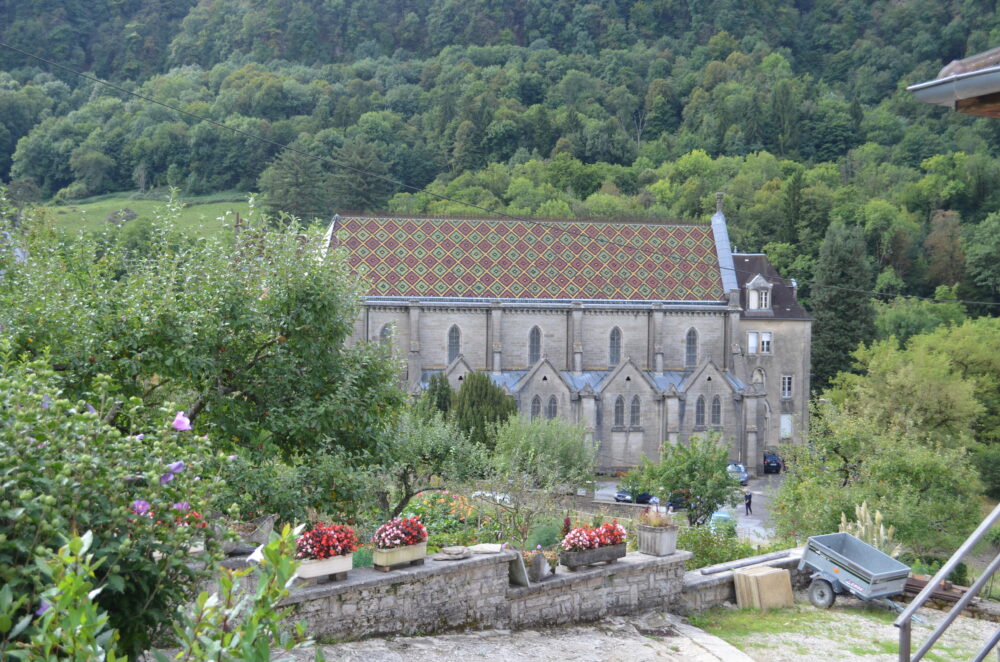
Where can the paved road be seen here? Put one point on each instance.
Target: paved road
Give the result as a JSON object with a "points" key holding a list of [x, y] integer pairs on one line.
{"points": [[758, 526]]}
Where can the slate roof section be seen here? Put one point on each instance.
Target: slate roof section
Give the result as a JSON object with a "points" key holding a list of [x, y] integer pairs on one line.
{"points": [[426, 258], [784, 302]]}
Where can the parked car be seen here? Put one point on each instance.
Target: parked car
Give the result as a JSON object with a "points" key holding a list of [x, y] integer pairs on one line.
{"points": [[622, 496], [739, 472], [772, 463], [721, 521]]}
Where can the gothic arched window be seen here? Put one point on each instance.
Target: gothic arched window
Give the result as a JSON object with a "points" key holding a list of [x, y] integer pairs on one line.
{"points": [[552, 409], [691, 353], [699, 412], [634, 412], [536, 407], [620, 412], [615, 347], [534, 345], [454, 343], [716, 411]]}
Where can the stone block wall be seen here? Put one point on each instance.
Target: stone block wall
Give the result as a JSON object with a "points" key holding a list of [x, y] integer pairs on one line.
{"points": [[476, 593], [702, 592], [634, 583]]}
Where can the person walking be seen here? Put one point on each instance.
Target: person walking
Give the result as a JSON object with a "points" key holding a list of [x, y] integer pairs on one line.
{"points": [[747, 498]]}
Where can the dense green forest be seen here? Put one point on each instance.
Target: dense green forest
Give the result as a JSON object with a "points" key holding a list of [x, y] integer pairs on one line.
{"points": [[797, 110]]}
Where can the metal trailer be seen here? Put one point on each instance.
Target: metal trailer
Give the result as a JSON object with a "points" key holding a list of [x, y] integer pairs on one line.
{"points": [[841, 563]]}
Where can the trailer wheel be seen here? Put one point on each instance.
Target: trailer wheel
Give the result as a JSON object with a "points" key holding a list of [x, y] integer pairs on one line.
{"points": [[821, 594]]}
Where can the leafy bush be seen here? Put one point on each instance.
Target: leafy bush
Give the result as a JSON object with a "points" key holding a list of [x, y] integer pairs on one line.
{"points": [[929, 565], [710, 547], [699, 470], [323, 482], [226, 626], [545, 534], [554, 452], [442, 512], [66, 470]]}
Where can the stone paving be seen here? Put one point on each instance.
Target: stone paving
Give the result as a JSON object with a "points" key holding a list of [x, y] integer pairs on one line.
{"points": [[638, 638]]}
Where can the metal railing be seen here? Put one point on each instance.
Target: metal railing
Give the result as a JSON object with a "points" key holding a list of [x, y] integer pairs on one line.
{"points": [[905, 618]]}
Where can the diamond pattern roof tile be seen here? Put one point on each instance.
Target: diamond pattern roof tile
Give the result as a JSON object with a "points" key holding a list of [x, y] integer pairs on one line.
{"points": [[412, 257]]}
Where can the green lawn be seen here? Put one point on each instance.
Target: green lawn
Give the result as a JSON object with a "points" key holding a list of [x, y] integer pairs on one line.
{"points": [[199, 216]]}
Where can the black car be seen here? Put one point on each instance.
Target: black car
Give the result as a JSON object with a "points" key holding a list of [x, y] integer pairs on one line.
{"points": [[626, 497], [772, 463]]}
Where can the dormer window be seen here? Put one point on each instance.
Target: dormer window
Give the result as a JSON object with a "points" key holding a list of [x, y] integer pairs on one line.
{"points": [[758, 294], [760, 299]]}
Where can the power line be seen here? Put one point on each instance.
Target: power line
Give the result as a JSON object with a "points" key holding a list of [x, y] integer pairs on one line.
{"points": [[548, 225]]}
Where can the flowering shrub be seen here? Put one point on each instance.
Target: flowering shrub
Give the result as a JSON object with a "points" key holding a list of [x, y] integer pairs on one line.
{"points": [[400, 532], [67, 470], [580, 538], [323, 541], [441, 512]]}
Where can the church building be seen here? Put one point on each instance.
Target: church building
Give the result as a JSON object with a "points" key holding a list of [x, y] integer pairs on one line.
{"points": [[643, 333]]}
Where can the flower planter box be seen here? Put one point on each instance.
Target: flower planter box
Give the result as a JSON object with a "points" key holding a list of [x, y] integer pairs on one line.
{"points": [[609, 554], [251, 534], [385, 560], [657, 540], [333, 568]]}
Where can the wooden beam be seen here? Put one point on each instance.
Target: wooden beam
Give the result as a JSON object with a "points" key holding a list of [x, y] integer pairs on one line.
{"points": [[987, 105]]}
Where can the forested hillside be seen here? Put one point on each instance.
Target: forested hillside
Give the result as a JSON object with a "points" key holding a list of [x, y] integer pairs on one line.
{"points": [[547, 108]]}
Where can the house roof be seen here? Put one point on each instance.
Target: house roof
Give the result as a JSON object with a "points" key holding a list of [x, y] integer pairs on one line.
{"points": [[784, 302], [512, 259]]}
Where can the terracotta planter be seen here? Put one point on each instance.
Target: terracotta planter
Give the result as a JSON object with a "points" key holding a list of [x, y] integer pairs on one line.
{"points": [[334, 565], [609, 554], [388, 559], [657, 540]]}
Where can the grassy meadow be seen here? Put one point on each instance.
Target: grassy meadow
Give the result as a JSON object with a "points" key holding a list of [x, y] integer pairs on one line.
{"points": [[200, 216]]}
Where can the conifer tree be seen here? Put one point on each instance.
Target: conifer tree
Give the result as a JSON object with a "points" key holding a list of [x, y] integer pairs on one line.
{"points": [[841, 304], [478, 405]]}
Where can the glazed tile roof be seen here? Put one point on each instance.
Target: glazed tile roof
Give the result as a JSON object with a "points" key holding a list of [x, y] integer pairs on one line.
{"points": [[494, 259]]}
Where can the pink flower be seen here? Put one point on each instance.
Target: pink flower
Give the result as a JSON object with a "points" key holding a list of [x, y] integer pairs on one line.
{"points": [[181, 422]]}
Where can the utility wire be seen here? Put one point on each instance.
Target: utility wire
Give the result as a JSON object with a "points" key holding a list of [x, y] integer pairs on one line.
{"points": [[547, 225]]}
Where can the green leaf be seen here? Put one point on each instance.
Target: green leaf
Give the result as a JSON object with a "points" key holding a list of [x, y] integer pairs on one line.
{"points": [[21, 625]]}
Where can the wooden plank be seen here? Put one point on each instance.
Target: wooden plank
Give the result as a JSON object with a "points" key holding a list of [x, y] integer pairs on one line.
{"points": [[987, 105]]}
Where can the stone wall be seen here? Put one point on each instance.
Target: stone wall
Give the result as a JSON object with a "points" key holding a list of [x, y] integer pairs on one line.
{"points": [[701, 591], [476, 593]]}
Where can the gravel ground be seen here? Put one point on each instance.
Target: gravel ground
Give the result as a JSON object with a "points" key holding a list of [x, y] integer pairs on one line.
{"points": [[852, 634]]}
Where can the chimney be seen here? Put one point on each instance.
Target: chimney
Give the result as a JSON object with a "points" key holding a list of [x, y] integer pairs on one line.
{"points": [[718, 202]]}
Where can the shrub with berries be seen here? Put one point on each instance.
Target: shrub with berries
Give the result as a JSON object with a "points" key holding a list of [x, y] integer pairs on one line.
{"points": [[400, 532], [323, 541], [580, 538]]}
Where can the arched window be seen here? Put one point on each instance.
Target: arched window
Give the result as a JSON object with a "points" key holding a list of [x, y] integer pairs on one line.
{"points": [[699, 412], [634, 412], [385, 335], [620, 412], [691, 353], [552, 409], [615, 347], [534, 345], [454, 343], [716, 411], [536, 407]]}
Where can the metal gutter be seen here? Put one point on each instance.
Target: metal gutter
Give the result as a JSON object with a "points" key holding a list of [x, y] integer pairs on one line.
{"points": [[947, 91]]}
